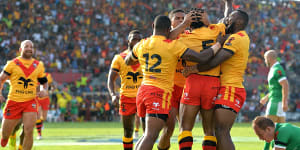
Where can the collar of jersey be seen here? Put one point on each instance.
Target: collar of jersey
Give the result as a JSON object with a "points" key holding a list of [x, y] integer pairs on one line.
{"points": [[24, 60], [277, 63], [159, 37]]}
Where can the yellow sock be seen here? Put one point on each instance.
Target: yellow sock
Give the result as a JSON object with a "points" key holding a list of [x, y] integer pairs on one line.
{"points": [[136, 130], [20, 147]]}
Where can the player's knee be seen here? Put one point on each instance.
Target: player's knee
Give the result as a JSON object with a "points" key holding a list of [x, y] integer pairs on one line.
{"points": [[222, 130], [151, 136], [168, 132], [28, 130]]}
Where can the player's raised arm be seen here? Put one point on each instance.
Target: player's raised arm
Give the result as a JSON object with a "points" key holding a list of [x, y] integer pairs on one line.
{"points": [[188, 19], [228, 8]]}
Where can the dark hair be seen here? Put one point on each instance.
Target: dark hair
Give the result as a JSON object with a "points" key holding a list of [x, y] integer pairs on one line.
{"points": [[162, 23], [263, 122], [174, 11], [134, 32], [197, 23], [244, 17]]}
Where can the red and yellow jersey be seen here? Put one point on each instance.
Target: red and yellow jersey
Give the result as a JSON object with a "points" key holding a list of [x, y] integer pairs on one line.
{"points": [[179, 79], [23, 76], [158, 56], [131, 76], [233, 69], [203, 38]]}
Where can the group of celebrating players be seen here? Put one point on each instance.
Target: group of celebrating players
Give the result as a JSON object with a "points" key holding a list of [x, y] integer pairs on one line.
{"points": [[187, 66], [177, 73]]}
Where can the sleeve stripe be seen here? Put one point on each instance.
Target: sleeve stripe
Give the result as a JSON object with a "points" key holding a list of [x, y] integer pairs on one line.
{"points": [[279, 146], [281, 143], [228, 50], [114, 69], [43, 80], [281, 79], [6, 73]]}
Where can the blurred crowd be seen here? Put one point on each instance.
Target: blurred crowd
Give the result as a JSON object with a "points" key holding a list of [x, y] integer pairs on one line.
{"points": [[83, 35]]}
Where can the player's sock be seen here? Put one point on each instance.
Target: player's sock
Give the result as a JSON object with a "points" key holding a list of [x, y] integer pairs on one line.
{"points": [[39, 125], [163, 148], [12, 141], [136, 129], [127, 143], [20, 147], [185, 140], [4, 142], [267, 146], [209, 143]]}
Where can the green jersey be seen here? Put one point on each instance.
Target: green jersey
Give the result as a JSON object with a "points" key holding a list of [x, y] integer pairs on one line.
{"points": [[276, 75], [287, 136]]}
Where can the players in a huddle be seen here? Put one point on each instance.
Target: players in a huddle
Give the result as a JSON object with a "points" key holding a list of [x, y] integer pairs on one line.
{"points": [[153, 87]]}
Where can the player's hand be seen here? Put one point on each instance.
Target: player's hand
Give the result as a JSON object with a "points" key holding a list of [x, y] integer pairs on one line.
{"points": [[2, 99], [115, 100], [189, 18], [204, 18], [264, 100], [189, 70], [285, 107], [222, 38], [42, 93]]}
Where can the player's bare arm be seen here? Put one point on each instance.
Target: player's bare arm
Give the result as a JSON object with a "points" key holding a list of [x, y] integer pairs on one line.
{"points": [[112, 76], [285, 92], [227, 11], [188, 19], [228, 8], [220, 57], [265, 99], [131, 59], [3, 77], [202, 56]]}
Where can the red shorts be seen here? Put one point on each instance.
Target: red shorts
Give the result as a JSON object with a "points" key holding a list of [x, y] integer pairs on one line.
{"points": [[232, 97], [126, 108], [44, 102], [15, 110], [176, 96], [152, 100], [201, 91]]}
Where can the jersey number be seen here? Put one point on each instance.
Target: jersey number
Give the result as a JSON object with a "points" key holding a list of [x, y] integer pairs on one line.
{"points": [[206, 43], [158, 62]]}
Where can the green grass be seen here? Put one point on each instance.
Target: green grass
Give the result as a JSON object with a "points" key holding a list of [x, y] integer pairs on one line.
{"points": [[107, 136]]}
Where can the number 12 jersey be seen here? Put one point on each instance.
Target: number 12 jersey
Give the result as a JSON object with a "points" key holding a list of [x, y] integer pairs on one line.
{"points": [[158, 57]]}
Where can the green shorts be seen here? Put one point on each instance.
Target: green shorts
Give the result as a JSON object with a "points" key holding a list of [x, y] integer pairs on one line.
{"points": [[63, 110], [275, 109]]}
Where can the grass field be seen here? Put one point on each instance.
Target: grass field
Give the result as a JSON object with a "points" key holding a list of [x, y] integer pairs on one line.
{"points": [[108, 135]]}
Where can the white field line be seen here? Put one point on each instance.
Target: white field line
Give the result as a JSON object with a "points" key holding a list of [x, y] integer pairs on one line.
{"points": [[112, 140]]}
